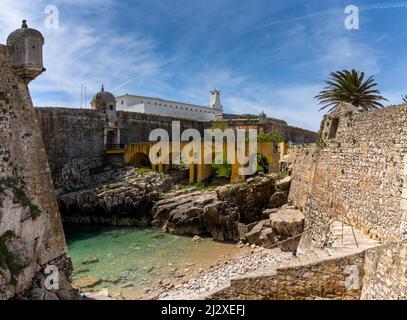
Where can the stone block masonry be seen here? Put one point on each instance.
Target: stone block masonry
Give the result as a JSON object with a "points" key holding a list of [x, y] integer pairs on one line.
{"points": [[74, 139], [31, 234], [386, 272], [355, 173], [318, 280]]}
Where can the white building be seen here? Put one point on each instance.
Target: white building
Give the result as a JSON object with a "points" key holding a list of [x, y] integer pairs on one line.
{"points": [[173, 109]]}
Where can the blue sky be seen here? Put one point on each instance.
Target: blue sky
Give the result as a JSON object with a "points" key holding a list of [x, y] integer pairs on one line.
{"points": [[266, 55]]}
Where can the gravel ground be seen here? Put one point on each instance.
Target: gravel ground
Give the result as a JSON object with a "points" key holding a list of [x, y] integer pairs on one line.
{"points": [[219, 275]]}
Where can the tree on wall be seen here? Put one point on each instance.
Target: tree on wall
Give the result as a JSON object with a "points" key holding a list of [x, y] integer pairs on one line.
{"points": [[350, 86]]}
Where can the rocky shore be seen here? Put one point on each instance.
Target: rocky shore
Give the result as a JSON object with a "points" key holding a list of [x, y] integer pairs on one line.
{"points": [[125, 201]]}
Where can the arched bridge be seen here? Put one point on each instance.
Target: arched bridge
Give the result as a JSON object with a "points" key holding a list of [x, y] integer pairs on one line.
{"points": [[137, 154]]}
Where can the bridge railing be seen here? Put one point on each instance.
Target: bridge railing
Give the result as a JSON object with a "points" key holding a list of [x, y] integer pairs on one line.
{"points": [[116, 146]]}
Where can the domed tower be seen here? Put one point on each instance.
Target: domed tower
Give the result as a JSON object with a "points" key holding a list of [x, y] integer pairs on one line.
{"points": [[104, 101], [26, 52]]}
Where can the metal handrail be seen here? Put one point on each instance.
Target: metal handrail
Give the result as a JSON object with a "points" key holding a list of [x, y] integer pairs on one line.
{"points": [[286, 240], [116, 146]]}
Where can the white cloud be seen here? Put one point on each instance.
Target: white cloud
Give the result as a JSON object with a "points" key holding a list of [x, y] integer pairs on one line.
{"points": [[82, 52]]}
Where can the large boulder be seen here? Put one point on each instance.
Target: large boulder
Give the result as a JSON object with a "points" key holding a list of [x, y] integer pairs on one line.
{"points": [[249, 197], [197, 213], [221, 221], [284, 184], [253, 235], [278, 199], [186, 217], [278, 230], [267, 238], [287, 224], [164, 208]]}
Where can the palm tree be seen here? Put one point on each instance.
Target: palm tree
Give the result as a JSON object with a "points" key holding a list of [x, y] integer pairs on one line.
{"points": [[349, 86], [404, 98]]}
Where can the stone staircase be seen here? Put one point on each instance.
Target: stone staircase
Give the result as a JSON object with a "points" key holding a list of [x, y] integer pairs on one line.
{"points": [[345, 241]]}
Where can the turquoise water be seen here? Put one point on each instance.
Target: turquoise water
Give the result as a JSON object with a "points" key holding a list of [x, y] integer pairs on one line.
{"points": [[137, 259]]}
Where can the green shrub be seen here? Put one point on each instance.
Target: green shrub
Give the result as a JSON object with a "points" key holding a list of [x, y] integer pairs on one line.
{"points": [[22, 197], [7, 258]]}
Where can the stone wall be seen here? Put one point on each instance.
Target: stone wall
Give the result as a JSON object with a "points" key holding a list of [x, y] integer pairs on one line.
{"points": [[136, 127], [386, 272], [357, 173], [31, 234], [290, 133], [320, 280], [74, 140]]}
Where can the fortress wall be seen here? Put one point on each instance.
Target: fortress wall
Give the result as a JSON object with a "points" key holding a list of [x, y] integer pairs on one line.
{"points": [[385, 272], [136, 127], [74, 139], [291, 133], [324, 279], [267, 126], [359, 176], [31, 234]]}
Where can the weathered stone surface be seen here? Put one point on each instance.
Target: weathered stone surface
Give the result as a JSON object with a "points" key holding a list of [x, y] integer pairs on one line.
{"points": [[253, 236], [126, 201], [386, 272], [278, 199], [87, 282], [284, 184], [287, 223], [267, 238], [184, 212], [226, 214], [313, 281], [31, 234], [197, 213], [245, 228], [282, 225], [250, 198], [221, 220], [359, 172]]}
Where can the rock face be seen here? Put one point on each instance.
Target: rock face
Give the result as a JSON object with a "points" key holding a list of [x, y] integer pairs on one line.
{"points": [[282, 225], [225, 214], [280, 197], [250, 197], [196, 213], [128, 201], [31, 234], [288, 223]]}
